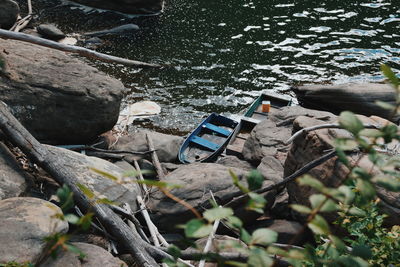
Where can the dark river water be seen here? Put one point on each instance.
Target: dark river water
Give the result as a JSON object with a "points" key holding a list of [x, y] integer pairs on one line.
{"points": [[223, 53]]}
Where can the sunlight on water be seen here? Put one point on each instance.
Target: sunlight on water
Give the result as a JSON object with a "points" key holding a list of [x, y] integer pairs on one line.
{"points": [[223, 53]]}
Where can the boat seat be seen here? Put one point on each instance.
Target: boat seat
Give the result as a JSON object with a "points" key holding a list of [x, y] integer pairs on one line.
{"points": [[204, 143], [217, 129]]}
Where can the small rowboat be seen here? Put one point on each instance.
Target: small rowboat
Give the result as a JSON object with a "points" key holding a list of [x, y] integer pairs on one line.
{"points": [[251, 118], [208, 140]]}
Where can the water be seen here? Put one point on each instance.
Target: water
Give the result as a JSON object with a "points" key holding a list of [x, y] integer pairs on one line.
{"points": [[223, 53]]}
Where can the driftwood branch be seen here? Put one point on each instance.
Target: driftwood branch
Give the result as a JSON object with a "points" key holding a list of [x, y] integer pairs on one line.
{"points": [[38, 153], [74, 49], [22, 23], [322, 126]]}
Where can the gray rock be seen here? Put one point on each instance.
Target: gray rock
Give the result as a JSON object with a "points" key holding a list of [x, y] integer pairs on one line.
{"points": [[58, 98], [13, 179], [234, 162], [9, 11], [24, 222], [95, 256], [79, 165], [127, 6], [359, 98], [268, 137], [120, 30], [50, 31], [197, 180], [271, 169], [167, 146]]}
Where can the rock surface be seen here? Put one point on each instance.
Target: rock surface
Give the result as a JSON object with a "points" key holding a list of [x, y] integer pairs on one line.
{"points": [[167, 146], [95, 256], [268, 137], [50, 31], [79, 165], [359, 98], [58, 98], [24, 222], [9, 11], [313, 145], [13, 179], [126, 6], [234, 162], [197, 179]]}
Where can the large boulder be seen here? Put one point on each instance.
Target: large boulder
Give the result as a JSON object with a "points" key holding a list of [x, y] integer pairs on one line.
{"points": [[13, 179], [197, 180], [269, 137], [357, 97], [24, 223], [94, 256], [9, 11], [58, 98], [79, 165], [127, 6], [313, 145], [167, 146]]}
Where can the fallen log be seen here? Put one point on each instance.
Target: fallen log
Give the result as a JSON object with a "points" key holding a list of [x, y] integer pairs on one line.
{"points": [[50, 162], [74, 49]]}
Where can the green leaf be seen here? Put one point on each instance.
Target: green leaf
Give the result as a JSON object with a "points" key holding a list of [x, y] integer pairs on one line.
{"points": [[75, 250], [135, 173], [348, 193], [342, 156], [350, 122], [389, 183], [234, 222], [106, 201], [256, 202], [237, 183], [245, 236], [366, 189], [86, 221], [259, 257], [255, 180], [346, 144], [65, 197], [217, 213], [105, 174], [86, 191], [339, 244], [385, 105], [310, 181], [174, 251], [362, 251], [390, 75], [71, 218], [301, 208], [196, 228], [355, 211], [319, 226], [263, 237], [328, 205]]}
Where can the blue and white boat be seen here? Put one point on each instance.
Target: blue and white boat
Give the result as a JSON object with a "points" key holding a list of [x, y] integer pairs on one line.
{"points": [[208, 140]]}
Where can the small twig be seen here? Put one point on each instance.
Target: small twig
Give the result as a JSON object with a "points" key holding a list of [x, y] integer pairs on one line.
{"points": [[211, 236], [146, 217], [134, 224], [154, 158]]}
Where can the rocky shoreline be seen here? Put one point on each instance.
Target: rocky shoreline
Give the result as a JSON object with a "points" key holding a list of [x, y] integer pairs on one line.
{"points": [[62, 100]]}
